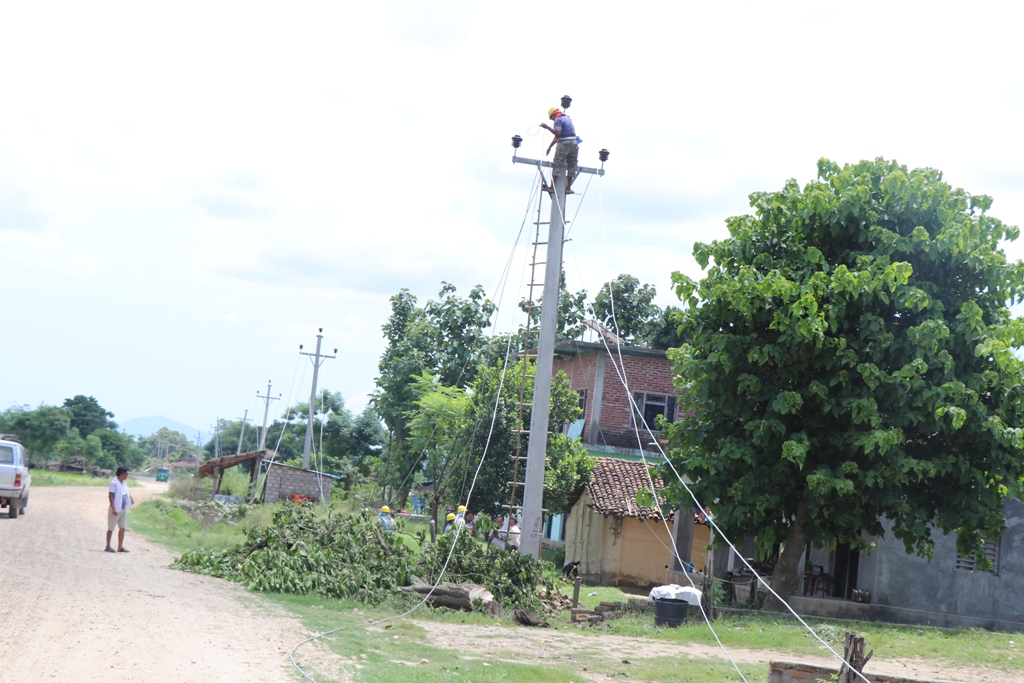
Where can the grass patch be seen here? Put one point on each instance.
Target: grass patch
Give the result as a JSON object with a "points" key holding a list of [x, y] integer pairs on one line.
{"points": [[48, 478], [388, 659], [161, 521]]}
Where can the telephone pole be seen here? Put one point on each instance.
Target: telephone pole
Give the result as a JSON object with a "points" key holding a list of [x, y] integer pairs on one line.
{"points": [[216, 438], [317, 360], [532, 517], [199, 446], [241, 434], [266, 409]]}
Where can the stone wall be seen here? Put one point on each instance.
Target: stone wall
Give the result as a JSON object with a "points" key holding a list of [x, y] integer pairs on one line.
{"points": [[284, 481], [791, 672]]}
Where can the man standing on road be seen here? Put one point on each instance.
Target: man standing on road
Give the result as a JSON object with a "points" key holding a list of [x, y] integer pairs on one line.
{"points": [[117, 513], [567, 150]]}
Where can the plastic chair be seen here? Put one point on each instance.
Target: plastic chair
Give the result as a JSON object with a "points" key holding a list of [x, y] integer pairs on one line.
{"points": [[419, 506]]}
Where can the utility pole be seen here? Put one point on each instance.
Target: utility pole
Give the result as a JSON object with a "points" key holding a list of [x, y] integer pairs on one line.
{"points": [[533, 491], [241, 434], [317, 360], [266, 409], [216, 438], [199, 446]]}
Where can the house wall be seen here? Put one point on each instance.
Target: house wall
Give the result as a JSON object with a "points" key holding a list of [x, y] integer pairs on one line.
{"points": [[283, 482], [644, 373], [898, 579], [585, 541], [644, 554], [614, 550]]}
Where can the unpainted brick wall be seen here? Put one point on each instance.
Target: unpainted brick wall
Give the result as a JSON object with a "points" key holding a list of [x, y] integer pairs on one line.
{"points": [[791, 672], [284, 482]]}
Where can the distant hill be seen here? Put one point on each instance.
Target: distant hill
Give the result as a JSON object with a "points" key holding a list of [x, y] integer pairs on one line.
{"points": [[145, 426]]}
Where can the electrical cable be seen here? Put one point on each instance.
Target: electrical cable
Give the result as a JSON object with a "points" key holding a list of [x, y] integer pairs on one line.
{"points": [[458, 528], [711, 520]]}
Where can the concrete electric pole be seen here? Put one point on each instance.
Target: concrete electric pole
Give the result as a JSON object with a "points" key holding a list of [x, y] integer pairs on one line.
{"points": [[266, 409], [317, 359], [241, 434], [533, 492]]}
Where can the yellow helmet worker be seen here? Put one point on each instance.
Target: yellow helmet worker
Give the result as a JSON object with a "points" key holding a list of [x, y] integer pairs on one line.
{"points": [[385, 509], [450, 517], [462, 508]]}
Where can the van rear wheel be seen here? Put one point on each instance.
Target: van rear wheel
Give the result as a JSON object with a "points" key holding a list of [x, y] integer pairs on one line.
{"points": [[13, 511]]}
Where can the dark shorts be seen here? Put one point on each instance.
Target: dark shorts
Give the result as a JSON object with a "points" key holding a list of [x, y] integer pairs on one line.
{"points": [[566, 154]]}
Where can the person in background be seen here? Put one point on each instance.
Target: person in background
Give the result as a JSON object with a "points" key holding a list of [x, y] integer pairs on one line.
{"points": [[117, 512], [449, 522], [385, 518], [514, 533], [470, 524], [497, 535]]}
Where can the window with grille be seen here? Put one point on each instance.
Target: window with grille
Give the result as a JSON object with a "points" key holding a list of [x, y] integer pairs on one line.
{"points": [[650, 406], [968, 563], [583, 401]]}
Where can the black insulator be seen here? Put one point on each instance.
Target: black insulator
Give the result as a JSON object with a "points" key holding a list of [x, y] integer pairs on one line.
{"points": [[516, 141], [566, 101], [603, 155]]}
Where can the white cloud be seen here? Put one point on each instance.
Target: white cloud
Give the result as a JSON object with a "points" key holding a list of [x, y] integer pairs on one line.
{"points": [[188, 192]]}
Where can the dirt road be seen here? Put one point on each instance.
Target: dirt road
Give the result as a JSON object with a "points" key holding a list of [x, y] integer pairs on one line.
{"points": [[71, 612]]}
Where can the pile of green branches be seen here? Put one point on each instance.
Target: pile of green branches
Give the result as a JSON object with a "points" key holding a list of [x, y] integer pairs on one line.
{"points": [[303, 551]]}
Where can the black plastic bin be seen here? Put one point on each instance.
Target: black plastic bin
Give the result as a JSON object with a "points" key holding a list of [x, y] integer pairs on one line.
{"points": [[668, 612]]}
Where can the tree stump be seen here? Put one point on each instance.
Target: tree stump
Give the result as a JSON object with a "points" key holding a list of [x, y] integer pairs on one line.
{"points": [[853, 652]]}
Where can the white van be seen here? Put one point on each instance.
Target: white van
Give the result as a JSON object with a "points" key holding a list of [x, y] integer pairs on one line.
{"points": [[15, 479]]}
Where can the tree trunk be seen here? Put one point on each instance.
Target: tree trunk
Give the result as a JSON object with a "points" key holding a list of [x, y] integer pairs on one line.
{"points": [[786, 577]]}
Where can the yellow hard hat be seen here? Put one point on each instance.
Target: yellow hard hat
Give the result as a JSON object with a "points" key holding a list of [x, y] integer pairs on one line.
{"points": [[385, 509], [451, 516], [462, 508], [552, 111]]}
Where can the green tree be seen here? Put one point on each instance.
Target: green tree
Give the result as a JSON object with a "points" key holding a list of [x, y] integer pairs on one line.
{"points": [[850, 360], [167, 444], [121, 447], [446, 338], [87, 415], [635, 314], [40, 429], [441, 431]]}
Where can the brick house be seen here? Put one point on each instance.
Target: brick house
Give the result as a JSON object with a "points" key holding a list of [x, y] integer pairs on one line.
{"points": [[608, 421]]}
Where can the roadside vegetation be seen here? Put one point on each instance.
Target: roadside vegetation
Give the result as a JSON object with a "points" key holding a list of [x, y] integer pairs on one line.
{"points": [[210, 536], [48, 478]]}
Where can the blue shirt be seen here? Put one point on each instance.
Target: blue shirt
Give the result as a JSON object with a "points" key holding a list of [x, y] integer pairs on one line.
{"points": [[564, 128]]}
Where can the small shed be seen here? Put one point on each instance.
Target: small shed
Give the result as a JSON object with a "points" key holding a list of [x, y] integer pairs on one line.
{"points": [[615, 540], [285, 481]]}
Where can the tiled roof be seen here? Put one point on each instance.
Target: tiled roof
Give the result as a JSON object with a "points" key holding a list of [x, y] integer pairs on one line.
{"points": [[613, 487]]}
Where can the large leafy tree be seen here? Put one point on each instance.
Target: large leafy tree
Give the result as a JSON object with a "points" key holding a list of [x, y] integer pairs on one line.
{"points": [[447, 338], [167, 444], [87, 415], [850, 361]]}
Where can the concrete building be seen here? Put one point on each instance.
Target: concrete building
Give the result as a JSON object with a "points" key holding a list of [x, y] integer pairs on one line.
{"points": [[949, 590]]}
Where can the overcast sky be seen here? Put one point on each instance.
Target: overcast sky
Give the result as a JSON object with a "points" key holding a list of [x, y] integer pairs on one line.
{"points": [[188, 193]]}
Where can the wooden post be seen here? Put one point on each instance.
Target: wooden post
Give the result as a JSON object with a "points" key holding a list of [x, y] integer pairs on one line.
{"points": [[853, 652], [576, 591], [215, 486]]}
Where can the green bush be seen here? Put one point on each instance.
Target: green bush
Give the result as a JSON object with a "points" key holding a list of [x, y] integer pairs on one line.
{"points": [[234, 482]]}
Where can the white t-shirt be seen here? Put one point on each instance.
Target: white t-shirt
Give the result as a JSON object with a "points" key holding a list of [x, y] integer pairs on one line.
{"points": [[513, 536], [122, 499]]}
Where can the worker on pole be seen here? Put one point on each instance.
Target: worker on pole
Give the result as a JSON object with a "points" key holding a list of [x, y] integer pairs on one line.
{"points": [[567, 148]]}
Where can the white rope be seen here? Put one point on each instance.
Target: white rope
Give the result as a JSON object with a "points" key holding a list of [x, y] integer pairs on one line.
{"points": [[458, 528], [711, 521]]}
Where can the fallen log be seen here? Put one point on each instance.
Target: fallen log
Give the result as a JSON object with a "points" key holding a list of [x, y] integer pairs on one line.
{"points": [[454, 596]]}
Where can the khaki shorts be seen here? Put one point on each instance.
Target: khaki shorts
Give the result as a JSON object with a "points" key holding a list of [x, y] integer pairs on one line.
{"points": [[117, 520]]}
